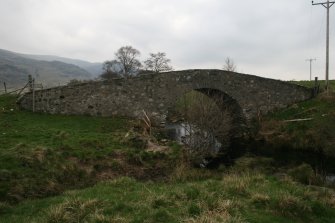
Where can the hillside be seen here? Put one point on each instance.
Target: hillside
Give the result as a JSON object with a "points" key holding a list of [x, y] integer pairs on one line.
{"points": [[14, 70], [93, 68]]}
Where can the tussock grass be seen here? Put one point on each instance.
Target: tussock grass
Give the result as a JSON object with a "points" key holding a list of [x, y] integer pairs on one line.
{"points": [[260, 199], [222, 213], [184, 172], [76, 210], [290, 204], [208, 200]]}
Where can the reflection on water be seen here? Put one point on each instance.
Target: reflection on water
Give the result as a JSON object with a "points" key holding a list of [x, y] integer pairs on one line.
{"points": [[330, 179], [178, 131], [193, 137]]}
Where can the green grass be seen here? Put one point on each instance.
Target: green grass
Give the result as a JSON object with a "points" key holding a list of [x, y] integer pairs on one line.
{"points": [[311, 84], [315, 134], [43, 155], [36, 150], [57, 168], [52, 130], [247, 197]]}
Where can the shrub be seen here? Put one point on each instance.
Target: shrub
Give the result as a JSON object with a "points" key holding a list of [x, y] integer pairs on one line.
{"points": [[247, 163], [303, 173]]}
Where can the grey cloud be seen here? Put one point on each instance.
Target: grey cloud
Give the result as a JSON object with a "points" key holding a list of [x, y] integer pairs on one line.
{"points": [[268, 38]]}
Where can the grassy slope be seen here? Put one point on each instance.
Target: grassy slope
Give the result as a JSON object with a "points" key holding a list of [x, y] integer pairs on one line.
{"points": [[14, 70], [42, 155], [317, 134], [311, 84], [35, 149]]}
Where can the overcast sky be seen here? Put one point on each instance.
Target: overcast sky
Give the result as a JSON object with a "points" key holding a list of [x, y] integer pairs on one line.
{"points": [[269, 38]]}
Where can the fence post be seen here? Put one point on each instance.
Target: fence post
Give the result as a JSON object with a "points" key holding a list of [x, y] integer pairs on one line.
{"points": [[30, 82], [33, 85], [316, 87]]}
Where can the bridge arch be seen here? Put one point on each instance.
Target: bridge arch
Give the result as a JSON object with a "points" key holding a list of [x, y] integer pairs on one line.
{"points": [[227, 103], [226, 122]]}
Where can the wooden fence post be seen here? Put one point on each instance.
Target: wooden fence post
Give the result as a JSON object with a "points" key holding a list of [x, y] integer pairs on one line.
{"points": [[33, 85], [316, 87]]}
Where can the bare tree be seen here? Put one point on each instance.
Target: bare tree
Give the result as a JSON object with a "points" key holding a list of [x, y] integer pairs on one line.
{"points": [[109, 75], [229, 65], [157, 62], [127, 57], [206, 125], [111, 69]]}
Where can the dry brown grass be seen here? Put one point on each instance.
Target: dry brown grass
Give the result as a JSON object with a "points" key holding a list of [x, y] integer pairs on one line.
{"points": [[329, 97], [239, 184], [262, 199], [183, 171], [222, 214], [76, 210], [291, 205]]}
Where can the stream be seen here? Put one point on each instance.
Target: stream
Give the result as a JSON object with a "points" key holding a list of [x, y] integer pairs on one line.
{"points": [[197, 139], [192, 136]]}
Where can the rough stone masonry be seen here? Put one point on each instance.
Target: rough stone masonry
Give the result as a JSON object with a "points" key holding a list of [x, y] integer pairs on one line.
{"points": [[244, 96]]}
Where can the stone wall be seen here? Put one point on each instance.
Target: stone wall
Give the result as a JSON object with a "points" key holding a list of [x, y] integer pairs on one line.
{"points": [[249, 95]]}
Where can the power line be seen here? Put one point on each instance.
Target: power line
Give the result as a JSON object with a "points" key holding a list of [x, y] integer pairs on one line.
{"points": [[310, 67], [327, 5]]}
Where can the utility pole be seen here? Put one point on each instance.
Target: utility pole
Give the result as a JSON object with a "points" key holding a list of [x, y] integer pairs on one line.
{"points": [[327, 5], [310, 68]]}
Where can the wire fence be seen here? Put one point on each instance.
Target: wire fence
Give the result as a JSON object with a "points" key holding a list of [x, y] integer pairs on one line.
{"points": [[17, 91], [28, 87]]}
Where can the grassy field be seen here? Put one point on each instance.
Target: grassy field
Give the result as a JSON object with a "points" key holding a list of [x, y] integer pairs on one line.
{"points": [[57, 168], [229, 197]]}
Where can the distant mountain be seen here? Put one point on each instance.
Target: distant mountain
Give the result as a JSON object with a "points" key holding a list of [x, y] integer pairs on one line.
{"points": [[93, 68], [15, 68]]}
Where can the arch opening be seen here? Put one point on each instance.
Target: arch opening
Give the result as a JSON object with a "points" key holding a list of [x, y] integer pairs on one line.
{"points": [[207, 121]]}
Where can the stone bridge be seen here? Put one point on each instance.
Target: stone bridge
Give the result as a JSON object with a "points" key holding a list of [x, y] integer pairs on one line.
{"points": [[243, 96]]}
